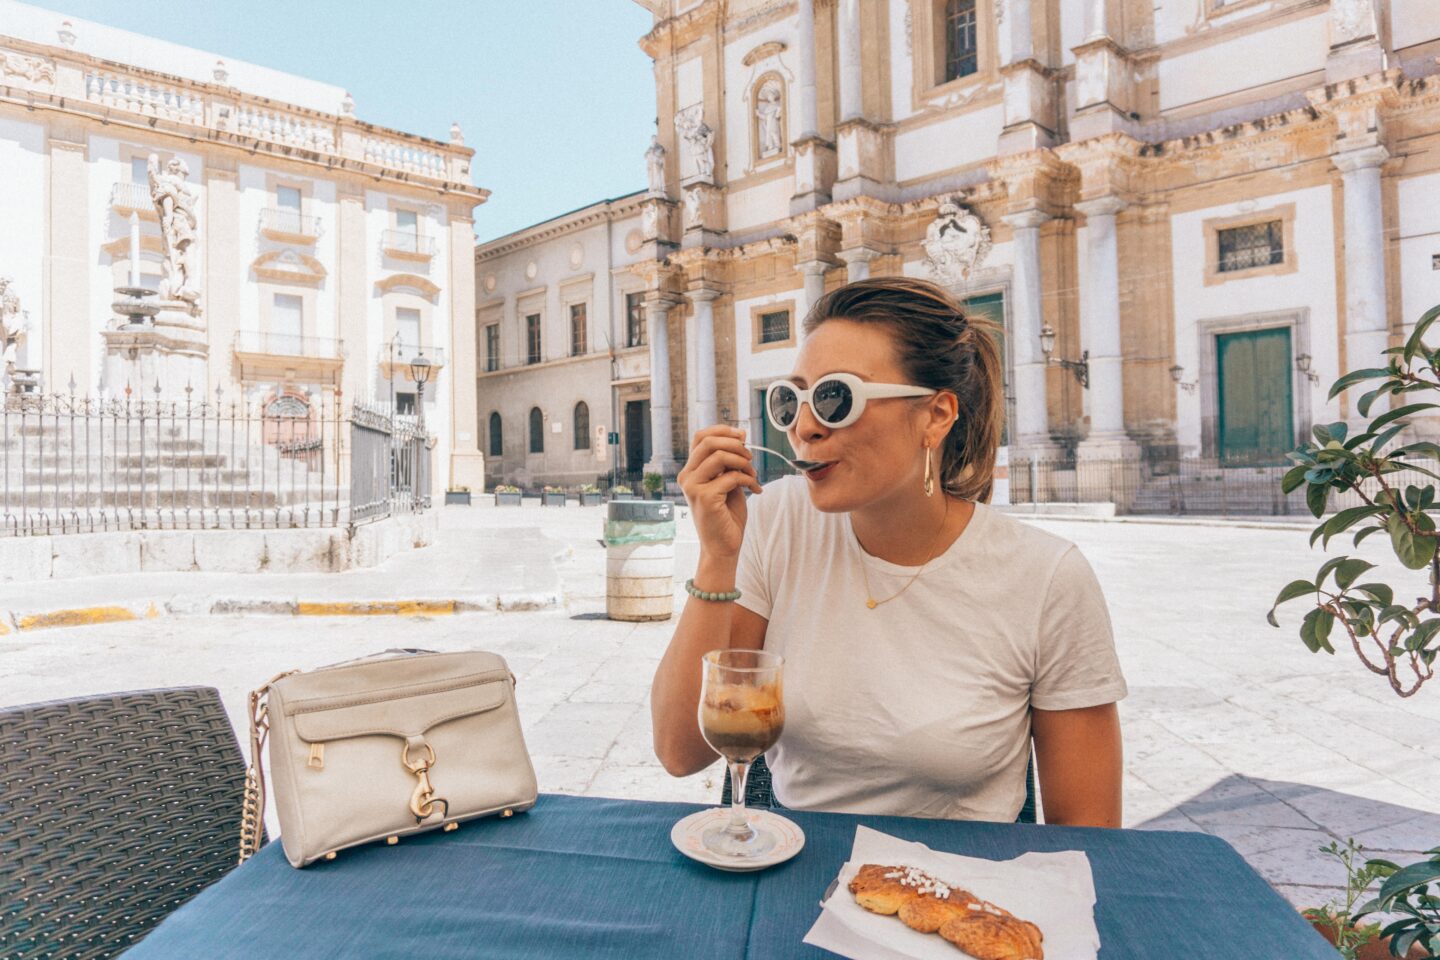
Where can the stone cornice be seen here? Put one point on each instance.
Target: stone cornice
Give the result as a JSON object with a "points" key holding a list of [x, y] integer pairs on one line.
{"points": [[597, 213], [86, 87], [675, 32]]}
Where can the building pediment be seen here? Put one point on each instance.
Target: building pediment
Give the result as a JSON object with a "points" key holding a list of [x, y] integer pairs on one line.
{"points": [[403, 281], [289, 266]]}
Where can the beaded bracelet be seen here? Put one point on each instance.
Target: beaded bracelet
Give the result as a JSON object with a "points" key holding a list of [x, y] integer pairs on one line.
{"points": [[710, 595]]}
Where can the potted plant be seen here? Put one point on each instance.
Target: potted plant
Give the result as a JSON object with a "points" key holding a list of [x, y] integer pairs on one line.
{"points": [[552, 497], [1350, 482], [1339, 920], [654, 482], [590, 495], [621, 492], [458, 495], [507, 496]]}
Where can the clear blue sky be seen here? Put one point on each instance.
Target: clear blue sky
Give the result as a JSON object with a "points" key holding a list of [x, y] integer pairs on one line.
{"points": [[555, 96]]}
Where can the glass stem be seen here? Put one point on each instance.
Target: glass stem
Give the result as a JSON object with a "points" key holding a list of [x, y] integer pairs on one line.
{"points": [[739, 827]]}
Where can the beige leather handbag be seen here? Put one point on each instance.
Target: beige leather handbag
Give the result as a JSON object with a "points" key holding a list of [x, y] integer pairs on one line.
{"points": [[395, 744]]}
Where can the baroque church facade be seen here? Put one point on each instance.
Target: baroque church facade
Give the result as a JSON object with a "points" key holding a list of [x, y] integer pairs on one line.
{"points": [[1189, 216]]}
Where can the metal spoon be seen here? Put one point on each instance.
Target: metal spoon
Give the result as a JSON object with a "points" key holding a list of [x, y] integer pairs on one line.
{"points": [[801, 465]]}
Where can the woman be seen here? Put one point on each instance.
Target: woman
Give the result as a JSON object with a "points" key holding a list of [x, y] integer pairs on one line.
{"points": [[927, 637]]}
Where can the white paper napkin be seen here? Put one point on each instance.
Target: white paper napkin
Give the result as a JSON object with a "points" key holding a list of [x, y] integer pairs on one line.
{"points": [[1054, 891]]}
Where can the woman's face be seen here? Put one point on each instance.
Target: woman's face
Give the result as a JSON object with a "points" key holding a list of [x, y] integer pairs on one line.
{"points": [[878, 455]]}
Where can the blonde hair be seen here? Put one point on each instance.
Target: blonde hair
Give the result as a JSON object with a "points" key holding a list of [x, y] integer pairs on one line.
{"points": [[939, 347]]}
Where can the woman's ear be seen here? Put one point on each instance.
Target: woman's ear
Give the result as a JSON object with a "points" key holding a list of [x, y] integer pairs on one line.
{"points": [[944, 408]]}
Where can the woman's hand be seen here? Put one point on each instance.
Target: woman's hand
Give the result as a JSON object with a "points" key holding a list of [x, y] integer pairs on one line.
{"points": [[715, 478]]}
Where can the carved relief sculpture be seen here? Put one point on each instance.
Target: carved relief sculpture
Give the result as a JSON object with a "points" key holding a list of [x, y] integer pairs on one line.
{"points": [[1351, 20], [28, 68], [956, 242], [650, 221], [692, 207], [13, 323], [175, 202], [696, 140], [769, 114], [655, 166]]}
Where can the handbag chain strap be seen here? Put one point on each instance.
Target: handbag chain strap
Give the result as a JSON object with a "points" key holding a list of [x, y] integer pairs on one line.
{"points": [[252, 816]]}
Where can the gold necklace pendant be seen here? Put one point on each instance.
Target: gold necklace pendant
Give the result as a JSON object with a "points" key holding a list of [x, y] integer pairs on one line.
{"points": [[870, 602]]}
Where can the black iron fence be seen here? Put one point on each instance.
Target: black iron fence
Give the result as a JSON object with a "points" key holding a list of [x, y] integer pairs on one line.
{"points": [[1174, 487], [74, 464]]}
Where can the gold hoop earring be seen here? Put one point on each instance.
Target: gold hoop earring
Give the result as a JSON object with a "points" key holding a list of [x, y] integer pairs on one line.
{"points": [[929, 474]]}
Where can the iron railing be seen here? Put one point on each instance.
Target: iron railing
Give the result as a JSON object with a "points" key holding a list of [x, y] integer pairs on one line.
{"points": [[408, 242], [293, 223], [289, 345], [1175, 487], [76, 464]]}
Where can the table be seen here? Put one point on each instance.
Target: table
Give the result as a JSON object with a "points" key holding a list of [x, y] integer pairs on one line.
{"points": [[596, 878]]}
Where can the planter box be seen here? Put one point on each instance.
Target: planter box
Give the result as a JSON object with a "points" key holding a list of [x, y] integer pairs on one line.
{"points": [[552, 499], [460, 497], [508, 499], [591, 499]]}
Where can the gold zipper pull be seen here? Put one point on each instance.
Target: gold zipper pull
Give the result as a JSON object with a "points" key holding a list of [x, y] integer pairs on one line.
{"points": [[317, 756]]}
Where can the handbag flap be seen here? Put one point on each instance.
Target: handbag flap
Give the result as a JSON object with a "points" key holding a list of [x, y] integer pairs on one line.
{"points": [[401, 711]]}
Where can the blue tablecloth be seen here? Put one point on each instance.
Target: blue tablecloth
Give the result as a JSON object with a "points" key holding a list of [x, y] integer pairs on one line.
{"points": [[595, 878]]}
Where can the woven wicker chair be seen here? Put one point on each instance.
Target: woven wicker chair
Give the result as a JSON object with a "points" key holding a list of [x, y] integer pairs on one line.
{"points": [[760, 793], [114, 810]]}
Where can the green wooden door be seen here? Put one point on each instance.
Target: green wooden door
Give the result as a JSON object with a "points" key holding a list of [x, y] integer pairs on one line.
{"points": [[766, 466], [991, 306], [1256, 424]]}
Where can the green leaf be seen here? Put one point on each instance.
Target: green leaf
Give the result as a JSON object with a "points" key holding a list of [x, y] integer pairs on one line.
{"points": [[1417, 335], [1346, 519], [1293, 479], [1321, 432], [1365, 533], [1414, 550], [1326, 568], [1367, 401], [1395, 414], [1349, 571], [1354, 377], [1423, 448], [1315, 630], [1386, 437], [1293, 589], [1421, 638], [1382, 593], [1315, 498], [1408, 878]]}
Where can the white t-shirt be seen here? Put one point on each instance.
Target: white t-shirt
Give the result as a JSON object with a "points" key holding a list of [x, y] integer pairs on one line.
{"points": [[921, 706]]}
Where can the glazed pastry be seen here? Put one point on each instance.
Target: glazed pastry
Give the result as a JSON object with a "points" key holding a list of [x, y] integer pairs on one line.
{"points": [[994, 936], [929, 905]]}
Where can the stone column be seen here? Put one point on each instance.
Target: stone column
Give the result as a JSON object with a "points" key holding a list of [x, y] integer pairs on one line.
{"points": [[702, 316], [809, 114], [662, 446], [223, 273], [1100, 321], [814, 273], [857, 263], [359, 376], [467, 462], [1366, 323], [67, 343], [1032, 423], [851, 100]]}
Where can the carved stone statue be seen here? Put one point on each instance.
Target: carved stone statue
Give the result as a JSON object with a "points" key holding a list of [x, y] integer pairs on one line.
{"points": [[655, 166], [175, 201], [13, 323], [769, 112], [956, 242], [650, 221], [702, 141], [692, 207]]}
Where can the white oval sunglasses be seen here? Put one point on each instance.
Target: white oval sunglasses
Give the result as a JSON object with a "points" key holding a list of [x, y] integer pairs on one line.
{"points": [[836, 399]]}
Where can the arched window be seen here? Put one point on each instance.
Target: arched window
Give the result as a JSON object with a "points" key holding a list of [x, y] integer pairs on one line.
{"points": [[582, 426], [961, 46], [537, 431], [497, 437]]}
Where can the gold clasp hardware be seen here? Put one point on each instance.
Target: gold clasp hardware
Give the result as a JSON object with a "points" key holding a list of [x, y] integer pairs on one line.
{"points": [[317, 756], [423, 801]]}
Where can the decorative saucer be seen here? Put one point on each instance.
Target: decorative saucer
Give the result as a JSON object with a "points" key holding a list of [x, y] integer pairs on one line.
{"points": [[686, 834]]}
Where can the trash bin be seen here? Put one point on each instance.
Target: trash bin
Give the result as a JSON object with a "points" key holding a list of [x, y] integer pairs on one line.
{"points": [[639, 560]]}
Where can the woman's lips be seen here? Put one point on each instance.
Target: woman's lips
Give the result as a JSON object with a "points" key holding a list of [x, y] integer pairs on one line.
{"points": [[820, 473]]}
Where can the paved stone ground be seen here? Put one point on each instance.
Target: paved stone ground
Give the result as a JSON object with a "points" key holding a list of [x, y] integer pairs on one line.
{"points": [[1232, 727]]}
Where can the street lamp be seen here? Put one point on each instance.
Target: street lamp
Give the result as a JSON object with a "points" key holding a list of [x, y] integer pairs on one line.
{"points": [[1177, 372], [1081, 367], [1302, 363], [420, 369]]}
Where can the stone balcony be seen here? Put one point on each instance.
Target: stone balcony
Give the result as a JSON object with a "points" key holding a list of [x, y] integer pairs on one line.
{"points": [[127, 198], [264, 355], [407, 245], [395, 359], [289, 226], [55, 78]]}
